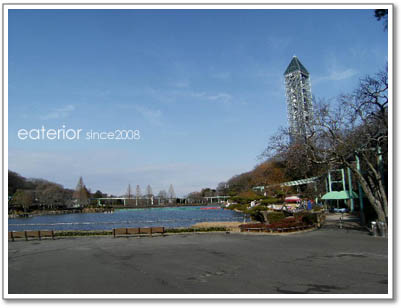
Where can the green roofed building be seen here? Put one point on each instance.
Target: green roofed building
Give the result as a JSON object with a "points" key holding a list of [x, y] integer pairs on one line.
{"points": [[299, 99]]}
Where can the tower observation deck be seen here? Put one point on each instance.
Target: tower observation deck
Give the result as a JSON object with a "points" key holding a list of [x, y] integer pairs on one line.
{"points": [[299, 100]]}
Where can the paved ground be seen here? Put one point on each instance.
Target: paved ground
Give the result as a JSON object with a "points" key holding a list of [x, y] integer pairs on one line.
{"points": [[329, 261]]}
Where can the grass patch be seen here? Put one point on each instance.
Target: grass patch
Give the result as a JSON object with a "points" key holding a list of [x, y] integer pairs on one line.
{"points": [[82, 233], [107, 232], [185, 230]]}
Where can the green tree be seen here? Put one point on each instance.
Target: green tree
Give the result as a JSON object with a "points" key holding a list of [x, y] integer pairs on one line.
{"points": [[98, 194]]}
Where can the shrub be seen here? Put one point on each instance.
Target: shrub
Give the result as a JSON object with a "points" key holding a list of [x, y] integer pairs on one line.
{"points": [[249, 195], [246, 197], [273, 217], [254, 225], [260, 213], [269, 201], [256, 213], [306, 217], [284, 223], [316, 208], [81, 233], [280, 194], [238, 206]]}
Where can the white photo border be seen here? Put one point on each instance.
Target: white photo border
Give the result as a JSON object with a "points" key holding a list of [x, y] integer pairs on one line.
{"points": [[188, 5]]}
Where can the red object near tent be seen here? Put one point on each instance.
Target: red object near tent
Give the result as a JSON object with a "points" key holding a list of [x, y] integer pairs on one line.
{"points": [[292, 199]]}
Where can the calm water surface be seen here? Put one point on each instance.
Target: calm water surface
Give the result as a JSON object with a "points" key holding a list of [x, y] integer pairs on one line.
{"points": [[170, 217]]}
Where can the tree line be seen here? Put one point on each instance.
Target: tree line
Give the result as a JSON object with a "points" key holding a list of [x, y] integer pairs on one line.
{"points": [[39, 194], [27, 194], [130, 194]]}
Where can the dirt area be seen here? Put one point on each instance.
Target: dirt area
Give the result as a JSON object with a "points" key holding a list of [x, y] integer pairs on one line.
{"points": [[232, 226]]}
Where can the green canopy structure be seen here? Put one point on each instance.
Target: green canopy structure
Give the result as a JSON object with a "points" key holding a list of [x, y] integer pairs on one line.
{"points": [[340, 195]]}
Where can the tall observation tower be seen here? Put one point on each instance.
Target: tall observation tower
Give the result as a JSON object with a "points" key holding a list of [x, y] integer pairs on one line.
{"points": [[299, 100]]}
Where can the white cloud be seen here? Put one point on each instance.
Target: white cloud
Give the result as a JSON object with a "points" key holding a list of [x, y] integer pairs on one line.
{"points": [[198, 94], [348, 73], [336, 75], [219, 97], [153, 116], [59, 113]]}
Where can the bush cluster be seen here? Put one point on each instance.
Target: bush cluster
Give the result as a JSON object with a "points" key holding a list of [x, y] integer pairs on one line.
{"points": [[316, 208], [273, 217], [238, 206], [300, 220], [269, 201], [286, 223], [256, 213], [260, 213], [307, 217]]}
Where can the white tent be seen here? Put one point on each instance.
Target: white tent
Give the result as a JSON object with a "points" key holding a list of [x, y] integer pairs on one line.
{"points": [[292, 199]]}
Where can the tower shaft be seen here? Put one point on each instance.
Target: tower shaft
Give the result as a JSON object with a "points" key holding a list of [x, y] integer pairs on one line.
{"points": [[299, 100]]}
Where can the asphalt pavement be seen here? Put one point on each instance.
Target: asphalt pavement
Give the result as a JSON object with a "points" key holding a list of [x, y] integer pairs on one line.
{"points": [[324, 261]]}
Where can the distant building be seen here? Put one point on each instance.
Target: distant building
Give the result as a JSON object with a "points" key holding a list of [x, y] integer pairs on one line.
{"points": [[299, 100]]}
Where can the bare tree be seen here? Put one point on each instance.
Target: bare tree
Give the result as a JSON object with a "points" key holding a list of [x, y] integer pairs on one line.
{"points": [[149, 191], [382, 14], [81, 194], [195, 195], [294, 156], [352, 133], [222, 188], [129, 195], [162, 194], [52, 196], [355, 135], [23, 199], [171, 193], [129, 192], [138, 194]]}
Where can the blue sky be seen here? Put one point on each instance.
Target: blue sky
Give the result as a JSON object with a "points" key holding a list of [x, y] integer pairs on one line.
{"points": [[204, 87]]}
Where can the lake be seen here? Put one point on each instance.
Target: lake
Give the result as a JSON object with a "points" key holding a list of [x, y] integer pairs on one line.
{"points": [[169, 217]]}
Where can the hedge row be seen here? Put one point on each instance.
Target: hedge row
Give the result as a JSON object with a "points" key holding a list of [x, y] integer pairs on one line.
{"points": [[300, 221]]}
